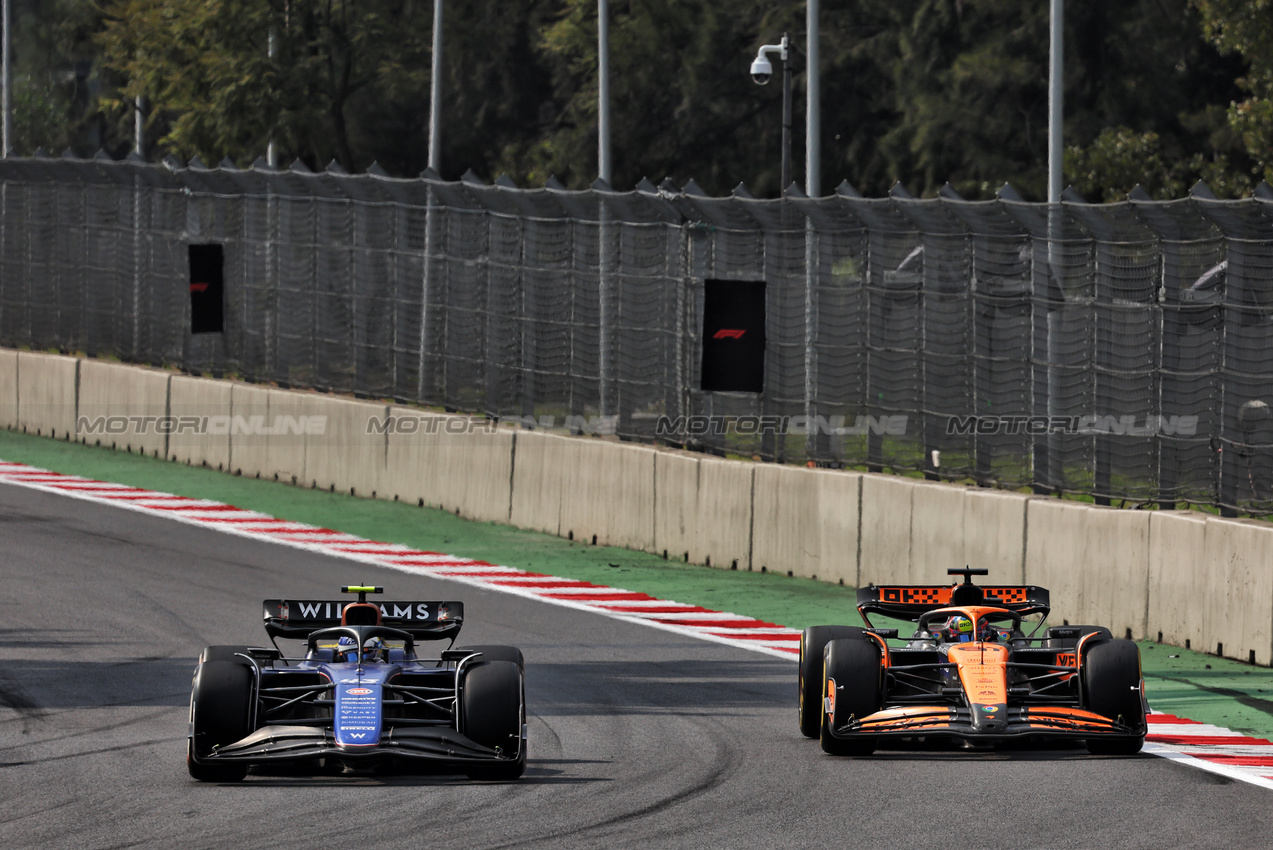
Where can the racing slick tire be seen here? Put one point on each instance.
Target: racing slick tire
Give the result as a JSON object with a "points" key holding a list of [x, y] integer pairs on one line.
{"points": [[1111, 681], [496, 653], [852, 667], [492, 712], [220, 714], [812, 642]]}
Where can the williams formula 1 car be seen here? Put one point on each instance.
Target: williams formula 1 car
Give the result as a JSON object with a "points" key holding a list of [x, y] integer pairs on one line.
{"points": [[968, 673], [359, 698]]}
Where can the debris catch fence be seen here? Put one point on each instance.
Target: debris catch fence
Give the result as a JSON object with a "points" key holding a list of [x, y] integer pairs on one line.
{"points": [[1123, 351]]}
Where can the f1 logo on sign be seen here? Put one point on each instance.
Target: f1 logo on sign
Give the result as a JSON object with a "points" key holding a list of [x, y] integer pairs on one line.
{"points": [[733, 336]]}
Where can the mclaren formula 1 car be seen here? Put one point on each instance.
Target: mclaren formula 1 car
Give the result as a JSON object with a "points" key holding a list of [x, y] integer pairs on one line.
{"points": [[969, 672], [358, 697]]}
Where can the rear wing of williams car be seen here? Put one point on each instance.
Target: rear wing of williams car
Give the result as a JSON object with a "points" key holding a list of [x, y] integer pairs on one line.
{"points": [[298, 618], [909, 602]]}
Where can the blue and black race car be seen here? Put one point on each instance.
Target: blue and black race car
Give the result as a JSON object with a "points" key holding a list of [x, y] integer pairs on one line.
{"points": [[360, 698]]}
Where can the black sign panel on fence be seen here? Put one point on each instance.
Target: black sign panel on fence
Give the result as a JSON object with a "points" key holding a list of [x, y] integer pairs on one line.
{"points": [[734, 336], [207, 311]]}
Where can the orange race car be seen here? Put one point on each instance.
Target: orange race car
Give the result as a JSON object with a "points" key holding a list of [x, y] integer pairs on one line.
{"points": [[968, 672]]}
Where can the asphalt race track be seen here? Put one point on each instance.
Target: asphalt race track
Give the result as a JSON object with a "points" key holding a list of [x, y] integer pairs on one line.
{"points": [[638, 737]]}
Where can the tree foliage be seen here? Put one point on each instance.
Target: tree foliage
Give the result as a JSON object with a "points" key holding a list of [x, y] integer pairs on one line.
{"points": [[1159, 93]]}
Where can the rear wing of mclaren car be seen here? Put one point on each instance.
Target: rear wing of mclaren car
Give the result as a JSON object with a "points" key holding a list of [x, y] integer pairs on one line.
{"points": [[909, 602], [297, 618]]}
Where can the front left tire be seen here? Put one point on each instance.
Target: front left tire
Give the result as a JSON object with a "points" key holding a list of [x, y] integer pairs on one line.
{"points": [[220, 714]]}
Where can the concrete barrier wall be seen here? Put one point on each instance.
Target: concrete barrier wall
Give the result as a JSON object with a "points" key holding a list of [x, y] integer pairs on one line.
{"points": [[8, 388], [341, 452], [886, 530], [122, 407], [198, 400], [937, 533], [1094, 560], [608, 493], [1239, 565], [539, 477], [805, 522], [1178, 578], [1195, 578], [249, 453], [473, 470], [993, 533], [47, 394], [702, 509]]}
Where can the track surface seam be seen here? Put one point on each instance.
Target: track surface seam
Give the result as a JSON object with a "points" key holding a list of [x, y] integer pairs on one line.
{"points": [[1211, 748]]}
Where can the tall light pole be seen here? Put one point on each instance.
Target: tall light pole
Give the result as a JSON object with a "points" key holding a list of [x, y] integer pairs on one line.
{"points": [[813, 109], [1056, 89], [603, 90], [7, 105], [435, 95]]}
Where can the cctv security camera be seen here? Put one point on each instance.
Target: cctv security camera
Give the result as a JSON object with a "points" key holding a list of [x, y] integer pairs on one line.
{"points": [[761, 70]]}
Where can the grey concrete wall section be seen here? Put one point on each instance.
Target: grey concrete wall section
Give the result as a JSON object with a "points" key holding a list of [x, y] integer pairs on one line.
{"points": [[47, 394], [805, 522], [702, 509], [472, 471], [1095, 561], [539, 463], [993, 534], [410, 465], [938, 532], [1239, 561], [1178, 578], [291, 415], [249, 453], [676, 501], [121, 407], [608, 493], [723, 514], [886, 530], [342, 452], [8, 388], [199, 400]]}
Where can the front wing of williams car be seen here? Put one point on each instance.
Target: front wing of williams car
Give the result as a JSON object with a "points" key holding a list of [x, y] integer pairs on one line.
{"points": [[991, 685], [359, 698]]}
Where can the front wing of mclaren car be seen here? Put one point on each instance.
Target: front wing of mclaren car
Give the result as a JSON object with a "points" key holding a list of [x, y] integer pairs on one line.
{"points": [[1005, 722]]}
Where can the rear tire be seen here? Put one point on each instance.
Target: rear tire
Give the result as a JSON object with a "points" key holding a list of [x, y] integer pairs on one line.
{"points": [[812, 642], [1111, 681], [220, 714], [492, 712], [853, 668]]}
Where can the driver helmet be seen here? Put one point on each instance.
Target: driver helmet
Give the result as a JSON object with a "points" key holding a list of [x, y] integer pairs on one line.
{"points": [[374, 649], [959, 629], [344, 647]]}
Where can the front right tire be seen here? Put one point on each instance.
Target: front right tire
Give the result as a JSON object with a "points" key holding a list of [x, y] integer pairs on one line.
{"points": [[492, 712], [1112, 682]]}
